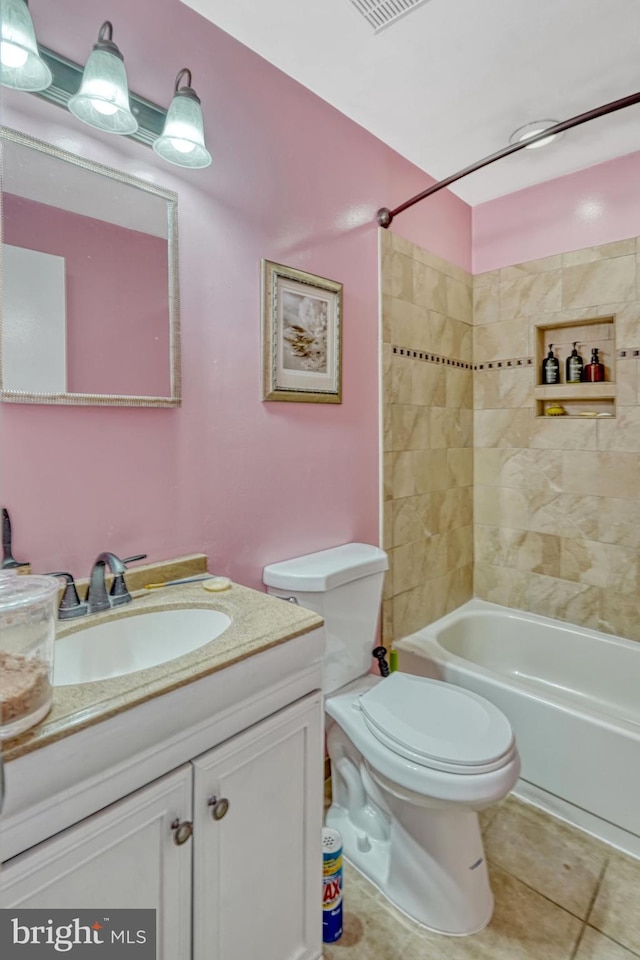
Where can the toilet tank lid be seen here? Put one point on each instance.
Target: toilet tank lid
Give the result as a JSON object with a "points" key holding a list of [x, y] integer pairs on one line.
{"points": [[327, 569]]}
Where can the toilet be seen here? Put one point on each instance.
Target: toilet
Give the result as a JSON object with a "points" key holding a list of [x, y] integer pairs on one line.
{"points": [[413, 760]]}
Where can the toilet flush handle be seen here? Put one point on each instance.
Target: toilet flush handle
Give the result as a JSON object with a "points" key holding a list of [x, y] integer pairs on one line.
{"points": [[380, 654]]}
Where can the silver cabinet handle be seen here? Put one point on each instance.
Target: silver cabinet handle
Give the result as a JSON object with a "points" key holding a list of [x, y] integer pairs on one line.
{"points": [[219, 807], [182, 830]]}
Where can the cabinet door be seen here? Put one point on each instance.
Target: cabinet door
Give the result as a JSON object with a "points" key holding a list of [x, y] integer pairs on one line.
{"points": [[257, 869], [123, 856]]}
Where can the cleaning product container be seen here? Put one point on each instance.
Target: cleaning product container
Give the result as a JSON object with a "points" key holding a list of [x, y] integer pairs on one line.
{"points": [[27, 633], [331, 885]]}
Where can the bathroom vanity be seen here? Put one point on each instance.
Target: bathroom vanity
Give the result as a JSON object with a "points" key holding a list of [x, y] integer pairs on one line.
{"points": [[193, 787]]}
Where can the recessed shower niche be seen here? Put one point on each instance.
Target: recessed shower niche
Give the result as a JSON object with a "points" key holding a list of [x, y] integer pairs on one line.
{"points": [[581, 399]]}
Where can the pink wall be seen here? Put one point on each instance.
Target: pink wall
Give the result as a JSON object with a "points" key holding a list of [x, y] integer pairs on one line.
{"points": [[293, 181], [593, 206], [116, 296]]}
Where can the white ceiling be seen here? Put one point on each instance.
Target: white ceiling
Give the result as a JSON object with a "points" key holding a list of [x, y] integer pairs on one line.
{"points": [[448, 83]]}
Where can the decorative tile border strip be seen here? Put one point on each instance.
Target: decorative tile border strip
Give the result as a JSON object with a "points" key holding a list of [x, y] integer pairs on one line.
{"points": [[430, 357], [632, 353], [504, 364]]}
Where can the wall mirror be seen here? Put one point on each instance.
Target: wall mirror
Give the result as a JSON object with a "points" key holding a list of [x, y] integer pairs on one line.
{"points": [[90, 305]]}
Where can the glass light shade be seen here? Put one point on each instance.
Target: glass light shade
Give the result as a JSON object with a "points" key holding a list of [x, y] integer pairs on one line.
{"points": [[21, 65], [531, 130], [182, 139], [103, 97]]}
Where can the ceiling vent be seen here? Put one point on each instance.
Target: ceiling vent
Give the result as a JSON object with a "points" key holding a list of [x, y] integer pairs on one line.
{"points": [[380, 14]]}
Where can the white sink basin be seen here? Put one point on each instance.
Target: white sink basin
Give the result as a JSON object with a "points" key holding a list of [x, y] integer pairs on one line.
{"points": [[133, 643]]}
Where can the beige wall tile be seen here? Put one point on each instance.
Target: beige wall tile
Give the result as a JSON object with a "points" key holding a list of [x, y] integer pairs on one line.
{"points": [[458, 387], [459, 467], [486, 297], [502, 585], [627, 376], [428, 383], [459, 300], [429, 287], [531, 295], [410, 427], [619, 613], [411, 519], [397, 274], [600, 564], [411, 611], [604, 281], [619, 522], [460, 547], [519, 549], [627, 323], [431, 470], [563, 599], [619, 248], [452, 508], [498, 506], [450, 269], [543, 265], [580, 471], [451, 428], [566, 515], [408, 324], [387, 476], [556, 433], [618, 475], [387, 622], [399, 379], [403, 474], [502, 340], [501, 428], [621, 433]]}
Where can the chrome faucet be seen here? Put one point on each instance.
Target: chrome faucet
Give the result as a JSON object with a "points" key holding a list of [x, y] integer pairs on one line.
{"points": [[97, 598]]}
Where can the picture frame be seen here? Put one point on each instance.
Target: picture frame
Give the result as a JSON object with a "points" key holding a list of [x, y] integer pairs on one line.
{"points": [[301, 335]]}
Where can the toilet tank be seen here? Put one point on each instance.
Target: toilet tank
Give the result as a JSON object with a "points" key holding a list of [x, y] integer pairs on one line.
{"points": [[343, 585]]}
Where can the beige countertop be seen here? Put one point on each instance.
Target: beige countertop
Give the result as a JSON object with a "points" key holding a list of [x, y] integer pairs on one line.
{"points": [[258, 622]]}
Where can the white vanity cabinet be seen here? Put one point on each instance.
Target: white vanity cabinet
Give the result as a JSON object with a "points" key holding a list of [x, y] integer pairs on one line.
{"points": [[88, 816], [123, 856], [245, 883]]}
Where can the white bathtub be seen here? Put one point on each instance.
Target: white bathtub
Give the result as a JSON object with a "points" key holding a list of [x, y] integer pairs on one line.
{"points": [[572, 696]]}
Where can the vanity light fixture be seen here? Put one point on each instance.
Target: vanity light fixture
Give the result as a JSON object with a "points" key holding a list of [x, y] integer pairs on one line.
{"points": [[21, 65], [182, 139], [531, 130], [103, 98]]}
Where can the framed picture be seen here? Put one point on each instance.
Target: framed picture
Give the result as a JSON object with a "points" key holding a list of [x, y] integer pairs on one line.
{"points": [[301, 336]]}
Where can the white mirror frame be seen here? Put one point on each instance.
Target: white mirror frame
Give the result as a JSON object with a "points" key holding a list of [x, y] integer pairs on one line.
{"points": [[171, 198]]}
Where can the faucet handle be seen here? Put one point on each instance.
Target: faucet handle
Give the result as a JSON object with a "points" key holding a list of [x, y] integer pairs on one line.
{"points": [[119, 591], [70, 606]]}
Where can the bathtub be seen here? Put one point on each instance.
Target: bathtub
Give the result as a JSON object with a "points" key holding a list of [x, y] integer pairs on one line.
{"points": [[572, 696]]}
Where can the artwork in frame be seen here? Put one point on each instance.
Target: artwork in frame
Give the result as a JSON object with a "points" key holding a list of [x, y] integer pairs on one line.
{"points": [[301, 336]]}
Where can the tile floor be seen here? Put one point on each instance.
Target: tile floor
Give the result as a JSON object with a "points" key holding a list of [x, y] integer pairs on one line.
{"points": [[560, 895]]}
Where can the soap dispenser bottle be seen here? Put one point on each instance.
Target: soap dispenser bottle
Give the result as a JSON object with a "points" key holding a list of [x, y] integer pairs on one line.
{"points": [[594, 371], [550, 367], [574, 366]]}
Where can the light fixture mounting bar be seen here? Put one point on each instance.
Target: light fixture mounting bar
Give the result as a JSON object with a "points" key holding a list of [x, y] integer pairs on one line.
{"points": [[67, 76], [384, 216]]}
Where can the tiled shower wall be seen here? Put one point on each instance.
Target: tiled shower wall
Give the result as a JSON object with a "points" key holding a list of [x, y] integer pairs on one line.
{"points": [[556, 500], [428, 428], [555, 522]]}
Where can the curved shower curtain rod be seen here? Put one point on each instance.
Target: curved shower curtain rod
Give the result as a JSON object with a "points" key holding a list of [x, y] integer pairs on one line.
{"points": [[386, 216]]}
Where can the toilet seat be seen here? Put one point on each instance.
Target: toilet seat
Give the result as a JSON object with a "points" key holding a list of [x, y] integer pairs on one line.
{"points": [[437, 725]]}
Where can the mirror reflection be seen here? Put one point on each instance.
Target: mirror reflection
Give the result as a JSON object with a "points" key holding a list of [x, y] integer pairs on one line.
{"points": [[90, 298]]}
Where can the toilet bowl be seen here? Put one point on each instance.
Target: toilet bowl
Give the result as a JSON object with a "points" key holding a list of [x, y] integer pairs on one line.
{"points": [[413, 760]]}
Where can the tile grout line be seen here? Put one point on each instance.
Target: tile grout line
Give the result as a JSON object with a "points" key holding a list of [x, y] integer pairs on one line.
{"points": [[597, 889]]}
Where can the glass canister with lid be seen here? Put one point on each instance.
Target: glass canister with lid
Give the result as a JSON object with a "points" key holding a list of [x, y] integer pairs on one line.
{"points": [[27, 634]]}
